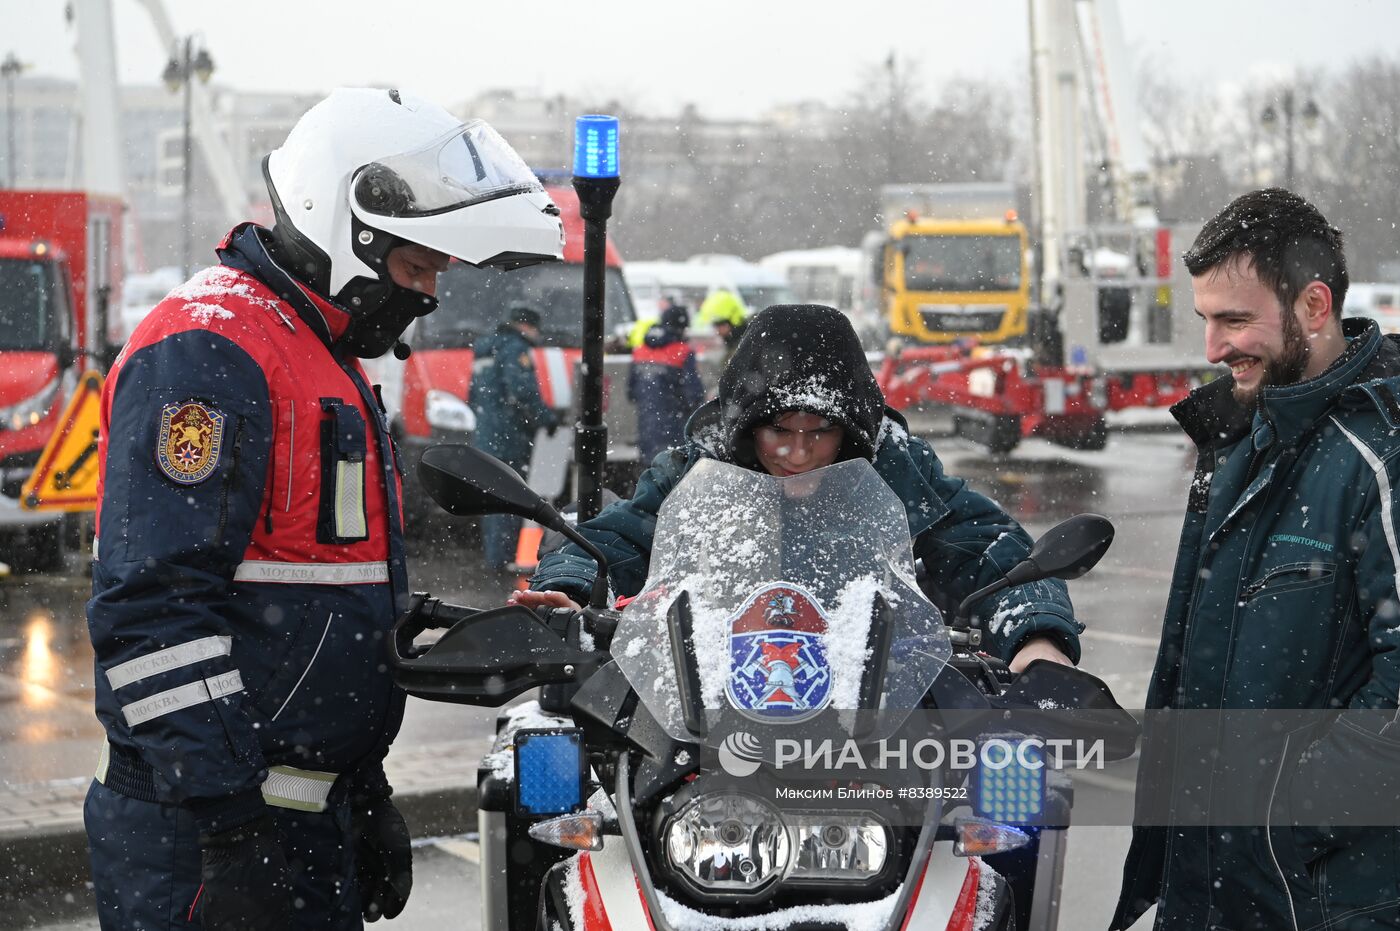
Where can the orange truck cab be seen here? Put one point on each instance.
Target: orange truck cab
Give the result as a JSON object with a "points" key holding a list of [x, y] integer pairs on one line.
{"points": [[59, 264], [427, 396]]}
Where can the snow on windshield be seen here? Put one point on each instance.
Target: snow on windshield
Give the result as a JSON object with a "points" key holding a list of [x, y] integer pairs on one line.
{"points": [[822, 546]]}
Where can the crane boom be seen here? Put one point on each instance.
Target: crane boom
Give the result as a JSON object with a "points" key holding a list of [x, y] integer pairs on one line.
{"points": [[1060, 183], [99, 100], [1115, 105], [1078, 53]]}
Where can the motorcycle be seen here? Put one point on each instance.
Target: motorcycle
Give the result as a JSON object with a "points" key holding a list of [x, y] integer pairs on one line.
{"points": [[731, 748]]}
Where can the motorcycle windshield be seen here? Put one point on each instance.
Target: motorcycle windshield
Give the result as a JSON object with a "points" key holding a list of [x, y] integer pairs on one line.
{"points": [[802, 607]]}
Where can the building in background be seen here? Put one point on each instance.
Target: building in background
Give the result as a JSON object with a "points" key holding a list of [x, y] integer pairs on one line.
{"points": [[45, 127], [669, 159]]}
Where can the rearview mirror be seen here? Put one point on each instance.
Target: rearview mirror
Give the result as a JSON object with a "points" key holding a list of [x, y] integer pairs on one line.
{"points": [[1066, 551], [467, 482]]}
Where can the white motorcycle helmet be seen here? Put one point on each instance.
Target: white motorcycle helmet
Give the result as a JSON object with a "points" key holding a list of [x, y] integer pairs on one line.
{"points": [[366, 170]]}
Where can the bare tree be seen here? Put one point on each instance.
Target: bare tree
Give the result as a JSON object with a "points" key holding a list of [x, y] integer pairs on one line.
{"points": [[1358, 162], [810, 183]]}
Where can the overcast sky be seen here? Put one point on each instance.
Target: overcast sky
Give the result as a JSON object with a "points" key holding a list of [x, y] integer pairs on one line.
{"points": [[730, 57]]}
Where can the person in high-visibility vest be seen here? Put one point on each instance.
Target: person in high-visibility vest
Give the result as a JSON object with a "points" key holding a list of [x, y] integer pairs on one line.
{"points": [[724, 311], [637, 333]]}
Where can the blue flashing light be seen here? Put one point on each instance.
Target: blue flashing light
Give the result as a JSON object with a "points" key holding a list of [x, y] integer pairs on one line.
{"points": [[549, 771], [595, 147], [1014, 793]]}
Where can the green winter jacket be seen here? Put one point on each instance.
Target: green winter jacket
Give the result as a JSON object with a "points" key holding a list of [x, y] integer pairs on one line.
{"points": [[505, 395], [966, 541], [1284, 597]]}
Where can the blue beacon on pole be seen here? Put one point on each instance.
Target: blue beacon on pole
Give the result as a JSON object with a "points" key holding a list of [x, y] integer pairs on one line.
{"points": [[595, 147]]}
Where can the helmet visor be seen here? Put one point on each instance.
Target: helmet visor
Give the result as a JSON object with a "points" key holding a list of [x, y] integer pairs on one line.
{"points": [[469, 165]]}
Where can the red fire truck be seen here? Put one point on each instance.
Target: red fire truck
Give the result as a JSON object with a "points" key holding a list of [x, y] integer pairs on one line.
{"points": [[60, 264], [427, 395]]}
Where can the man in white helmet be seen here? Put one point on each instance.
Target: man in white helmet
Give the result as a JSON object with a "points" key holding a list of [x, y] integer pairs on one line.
{"points": [[249, 561]]}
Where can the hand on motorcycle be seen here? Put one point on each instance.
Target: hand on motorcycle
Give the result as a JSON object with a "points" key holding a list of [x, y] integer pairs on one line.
{"points": [[534, 600], [1041, 647]]}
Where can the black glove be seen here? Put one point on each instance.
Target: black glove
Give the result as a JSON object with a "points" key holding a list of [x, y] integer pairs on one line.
{"points": [[383, 858], [246, 881], [551, 426]]}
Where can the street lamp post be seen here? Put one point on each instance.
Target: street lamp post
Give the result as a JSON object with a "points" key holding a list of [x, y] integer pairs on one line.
{"points": [[10, 69], [179, 74], [1270, 117], [892, 126]]}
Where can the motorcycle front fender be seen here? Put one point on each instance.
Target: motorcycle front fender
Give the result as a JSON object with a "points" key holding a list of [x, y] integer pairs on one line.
{"points": [[952, 893]]}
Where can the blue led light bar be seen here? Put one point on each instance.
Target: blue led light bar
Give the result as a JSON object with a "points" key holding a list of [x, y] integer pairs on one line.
{"points": [[549, 772], [595, 147], [1012, 794]]}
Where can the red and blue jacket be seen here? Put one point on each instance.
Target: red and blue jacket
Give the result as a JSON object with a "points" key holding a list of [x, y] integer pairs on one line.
{"points": [[249, 560], [664, 384]]}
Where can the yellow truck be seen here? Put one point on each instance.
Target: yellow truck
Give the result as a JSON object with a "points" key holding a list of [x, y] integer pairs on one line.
{"points": [[953, 263]]}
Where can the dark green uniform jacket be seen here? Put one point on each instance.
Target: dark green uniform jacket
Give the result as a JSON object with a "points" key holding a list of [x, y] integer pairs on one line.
{"points": [[505, 396], [1284, 597], [965, 540]]}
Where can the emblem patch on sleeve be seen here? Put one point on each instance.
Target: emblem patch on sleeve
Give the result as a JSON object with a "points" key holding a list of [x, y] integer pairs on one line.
{"points": [[190, 442]]}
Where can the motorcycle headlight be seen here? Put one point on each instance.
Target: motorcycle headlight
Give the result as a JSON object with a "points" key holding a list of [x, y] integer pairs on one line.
{"points": [[29, 411], [833, 847], [446, 411], [728, 843]]}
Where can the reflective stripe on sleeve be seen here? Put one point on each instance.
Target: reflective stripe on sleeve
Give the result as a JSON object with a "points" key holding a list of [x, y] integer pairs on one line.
{"points": [[184, 654], [184, 696], [555, 378], [1383, 489], [312, 573], [284, 787], [104, 759]]}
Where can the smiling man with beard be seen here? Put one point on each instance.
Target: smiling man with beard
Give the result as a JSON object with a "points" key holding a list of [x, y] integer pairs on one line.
{"points": [[1285, 589], [1242, 296]]}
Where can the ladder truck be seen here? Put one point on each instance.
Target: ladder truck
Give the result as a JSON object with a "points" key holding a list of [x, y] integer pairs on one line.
{"points": [[1110, 327]]}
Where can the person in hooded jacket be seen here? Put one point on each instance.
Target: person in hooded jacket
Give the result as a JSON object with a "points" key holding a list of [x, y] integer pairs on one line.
{"points": [[249, 560], [664, 383], [1284, 596], [799, 395], [505, 395]]}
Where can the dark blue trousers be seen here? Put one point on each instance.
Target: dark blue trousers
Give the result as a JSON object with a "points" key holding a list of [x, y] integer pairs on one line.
{"points": [[145, 864]]}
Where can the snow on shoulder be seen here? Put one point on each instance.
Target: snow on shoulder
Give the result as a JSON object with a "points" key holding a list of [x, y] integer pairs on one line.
{"points": [[892, 431], [206, 295]]}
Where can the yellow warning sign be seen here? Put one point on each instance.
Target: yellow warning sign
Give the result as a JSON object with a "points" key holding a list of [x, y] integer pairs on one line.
{"points": [[66, 477]]}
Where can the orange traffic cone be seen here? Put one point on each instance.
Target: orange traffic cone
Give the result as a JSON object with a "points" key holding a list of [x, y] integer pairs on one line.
{"points": [[527, 552]]}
